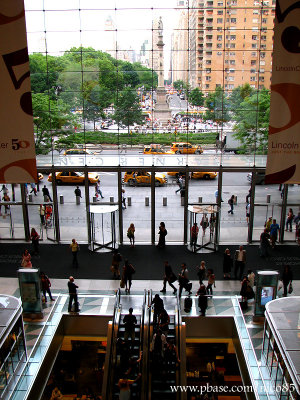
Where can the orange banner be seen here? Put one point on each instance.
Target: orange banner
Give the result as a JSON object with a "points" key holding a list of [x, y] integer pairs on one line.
{"points": [[17, 161], [283, 163]]}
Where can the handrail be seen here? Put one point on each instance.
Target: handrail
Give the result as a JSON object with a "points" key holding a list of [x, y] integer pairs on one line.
{"points": [[144, 347], [150, 335], [109, 372], [178, 323]]}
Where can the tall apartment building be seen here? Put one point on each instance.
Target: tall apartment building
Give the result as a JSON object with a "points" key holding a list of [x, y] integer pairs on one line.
{"points": [[230, 43], [180, 48]]}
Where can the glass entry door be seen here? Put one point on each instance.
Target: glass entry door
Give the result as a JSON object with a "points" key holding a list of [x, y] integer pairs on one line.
{"points": [[104, 227], [202, 225]]}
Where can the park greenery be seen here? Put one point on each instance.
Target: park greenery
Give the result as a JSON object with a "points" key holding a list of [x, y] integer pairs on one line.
{"points": [[82, 84]]}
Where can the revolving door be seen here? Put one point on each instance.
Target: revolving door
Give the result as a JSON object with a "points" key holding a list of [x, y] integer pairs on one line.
{"points": [[104, 227], [202, 226]]}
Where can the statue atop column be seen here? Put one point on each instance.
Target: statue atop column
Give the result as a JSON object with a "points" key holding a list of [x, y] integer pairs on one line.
{"points": [[160, 27]]}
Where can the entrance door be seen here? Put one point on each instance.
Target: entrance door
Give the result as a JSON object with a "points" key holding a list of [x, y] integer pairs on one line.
{"points": [[104, 227], [202, 225]]}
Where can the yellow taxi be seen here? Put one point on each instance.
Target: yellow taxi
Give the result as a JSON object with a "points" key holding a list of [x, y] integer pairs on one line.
{"points": [[73, 177], [142, 178], [204, 175], [78, 152], [186, 148], [155, 149]]}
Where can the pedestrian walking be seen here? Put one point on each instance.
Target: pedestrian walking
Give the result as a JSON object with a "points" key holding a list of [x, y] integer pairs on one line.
{"points": [[42, 213], [274, 231], [231, 203], [115, 264], [240, 263], [201, 272], [211, 281], [204, 223], [123, 200], [194, 235], [289, 220], [248, 212], [77, 192], [158, 306], [46, 284], [244, 289], [74, 248], [264, 243], [33, 188], [202, 300], [131, 233], [26, 260], [46, 193], [128, 271], [162, 232], [130, 321], [6, 206], [287, 279], [251, 278], [73, 295], [227, 264], [180, 184], [34, 236], [169, 277], [183, 279], [248, 197], [99, 191]]}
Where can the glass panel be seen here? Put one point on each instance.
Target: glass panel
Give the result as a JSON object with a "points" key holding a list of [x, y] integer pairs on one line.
{"points": [[138, 194]]}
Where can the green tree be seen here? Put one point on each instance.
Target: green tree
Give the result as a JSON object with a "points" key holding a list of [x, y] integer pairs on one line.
{"points": [[178, 85], [252, 121], [238, 95], [127, 108], [196, 97], [130, 76], [217, 106], [148, 78], [48, 116]]}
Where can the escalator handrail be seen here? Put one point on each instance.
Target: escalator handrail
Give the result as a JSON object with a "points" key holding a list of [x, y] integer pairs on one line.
{"points": [[143, 345], [178, 326], [150, 334], [112, 350]]}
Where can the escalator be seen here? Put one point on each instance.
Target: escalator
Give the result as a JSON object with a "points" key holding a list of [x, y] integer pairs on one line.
{"points": [[119, 360], [166, 372]]}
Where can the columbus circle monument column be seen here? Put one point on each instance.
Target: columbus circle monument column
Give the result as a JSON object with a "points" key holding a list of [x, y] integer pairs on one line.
{"points": [[162, 112]]}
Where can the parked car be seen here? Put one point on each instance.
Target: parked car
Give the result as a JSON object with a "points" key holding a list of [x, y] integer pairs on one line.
{"points": [[142, 178], [73, 177], [186, 148]]}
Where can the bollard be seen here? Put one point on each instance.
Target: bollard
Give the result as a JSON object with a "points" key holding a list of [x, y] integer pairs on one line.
{"points": [[111, 200], [61, 199], [129, 201], [77, 200], [30, 198], [199, 199], [165, 201], [147, 201], [94, 199], [268, 198], [182, 201]]}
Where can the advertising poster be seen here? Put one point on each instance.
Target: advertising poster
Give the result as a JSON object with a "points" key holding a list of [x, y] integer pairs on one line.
{"points": [[17, 160], [283, 163]]}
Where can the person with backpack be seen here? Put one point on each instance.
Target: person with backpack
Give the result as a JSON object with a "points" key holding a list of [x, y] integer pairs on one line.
{"points": [[128, 271], [46, 284]]}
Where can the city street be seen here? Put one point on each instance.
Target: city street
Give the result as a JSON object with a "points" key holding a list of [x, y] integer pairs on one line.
{"points": [[72, 217]]}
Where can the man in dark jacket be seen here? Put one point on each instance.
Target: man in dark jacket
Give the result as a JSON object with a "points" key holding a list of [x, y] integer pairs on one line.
{"points": [[169, 277], [73, 295], [45, 192]]}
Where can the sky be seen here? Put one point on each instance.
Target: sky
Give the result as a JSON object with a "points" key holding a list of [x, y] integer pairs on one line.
{"points": [[63, 21]]}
